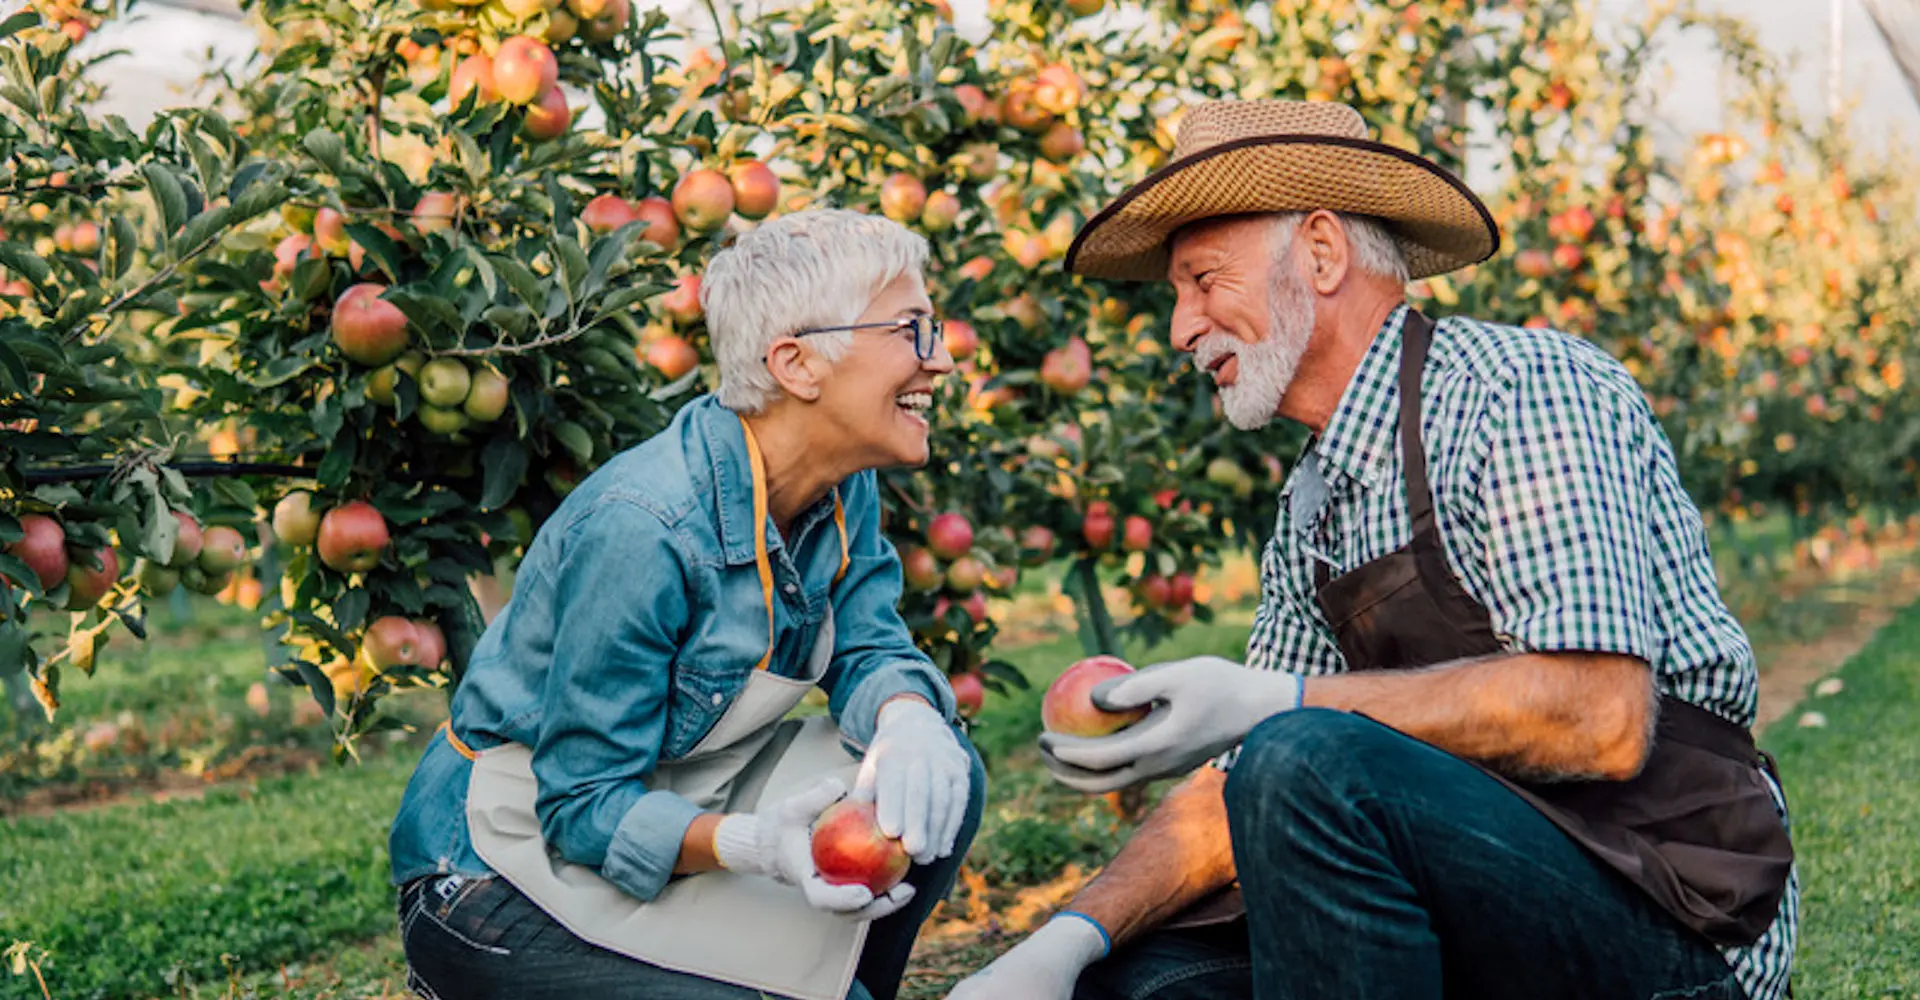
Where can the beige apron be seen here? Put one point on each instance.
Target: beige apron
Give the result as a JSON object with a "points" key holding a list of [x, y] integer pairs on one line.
{"points": [[742, 929]]}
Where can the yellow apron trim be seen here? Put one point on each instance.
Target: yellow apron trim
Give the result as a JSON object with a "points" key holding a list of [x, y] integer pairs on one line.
{"points": [[459, 745], [761, 561]]}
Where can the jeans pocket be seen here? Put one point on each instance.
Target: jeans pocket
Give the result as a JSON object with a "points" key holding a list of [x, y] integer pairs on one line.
{"points": [[465, 909]]}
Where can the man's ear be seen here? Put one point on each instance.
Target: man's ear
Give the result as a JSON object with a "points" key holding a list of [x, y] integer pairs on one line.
{"points": [[1329, 254], [796, 369]]}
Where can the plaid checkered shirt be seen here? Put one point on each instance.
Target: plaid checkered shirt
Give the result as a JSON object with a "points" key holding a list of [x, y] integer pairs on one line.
{"points": [[1560, 509]]}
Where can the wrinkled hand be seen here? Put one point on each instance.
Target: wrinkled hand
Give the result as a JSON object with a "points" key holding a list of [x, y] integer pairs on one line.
{"points": [[916, 774], [1202, 707], [1043, 967], [777, 842]]}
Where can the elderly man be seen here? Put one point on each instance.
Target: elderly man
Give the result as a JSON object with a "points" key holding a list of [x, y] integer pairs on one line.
{"points": [[1491, 739]]}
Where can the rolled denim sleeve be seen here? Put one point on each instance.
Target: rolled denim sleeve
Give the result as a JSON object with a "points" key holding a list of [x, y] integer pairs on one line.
{"points": [[606, 693], [874, 657]]}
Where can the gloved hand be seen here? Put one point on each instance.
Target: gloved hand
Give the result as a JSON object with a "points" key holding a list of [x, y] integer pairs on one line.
{"points": [[1043, 967], [915, 773], [777, 842], [1206, 705]]}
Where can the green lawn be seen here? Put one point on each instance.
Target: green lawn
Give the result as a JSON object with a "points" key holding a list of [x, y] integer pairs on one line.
{"points": [[1853, 787]]}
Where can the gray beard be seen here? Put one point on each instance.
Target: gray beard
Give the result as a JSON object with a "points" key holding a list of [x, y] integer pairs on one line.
{"points": [[1267, 368]]}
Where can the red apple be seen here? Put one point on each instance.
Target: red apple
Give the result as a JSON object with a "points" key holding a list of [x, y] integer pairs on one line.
{"points": [[849, 848], [1036, 545], [295, 522], [607, 212], [43, 547], [663, 227], [186, 547], [433, 642], [1180, 590], [547, 117], [352, 537], [976, 605], [287, 254], [523, 69], [1155, 590], [703, 199], [941, 211], [391, 641], [963, 341], [367, 328], [969, 692], [1067, 370], [683, 303], [902, 197], [434, 212], [673, 356], [1068, 707], [225, 549], [1137, 534], [154, 579], [1062, 143], [950, 535], [756, 189], [609, 24], [475, 73], [86, 238], [1098, 525], [974, 103], [330, 231], [86, 584], [965, 575], [1568, 257], [920, 568], [1533, 263]]}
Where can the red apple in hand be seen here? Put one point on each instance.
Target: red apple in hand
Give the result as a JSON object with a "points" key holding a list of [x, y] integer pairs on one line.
{"points": [[849, 848], [352, 536], [1068, 707]]}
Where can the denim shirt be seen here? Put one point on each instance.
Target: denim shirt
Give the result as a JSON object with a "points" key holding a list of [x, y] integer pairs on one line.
{"points": [[636, 618]]}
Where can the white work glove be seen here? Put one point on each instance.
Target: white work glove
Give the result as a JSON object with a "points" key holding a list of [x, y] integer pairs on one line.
{"points": [[1043, 967], [915, 774], [1202, 707], [777, 842]]}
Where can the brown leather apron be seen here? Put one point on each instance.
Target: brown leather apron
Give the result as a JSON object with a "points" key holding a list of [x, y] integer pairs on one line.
{"points": [[1696, 829]]}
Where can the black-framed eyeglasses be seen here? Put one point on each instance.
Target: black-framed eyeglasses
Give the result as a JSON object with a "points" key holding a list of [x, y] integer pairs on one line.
{"points": [[927, 331]]}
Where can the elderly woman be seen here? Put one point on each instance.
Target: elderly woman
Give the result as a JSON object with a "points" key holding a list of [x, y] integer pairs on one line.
{"points": [[620, 805]]}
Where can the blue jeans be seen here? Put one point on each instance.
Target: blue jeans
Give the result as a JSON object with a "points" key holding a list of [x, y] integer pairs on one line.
{"points": [[1374, 865], [481, 939]]}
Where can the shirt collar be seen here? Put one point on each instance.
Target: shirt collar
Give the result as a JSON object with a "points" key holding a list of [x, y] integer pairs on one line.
{"points": [[732, 470], [1361, 434]]}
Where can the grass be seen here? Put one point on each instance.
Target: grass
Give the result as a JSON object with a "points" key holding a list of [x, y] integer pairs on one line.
{"points": [[278, 889], [1855, 801]]}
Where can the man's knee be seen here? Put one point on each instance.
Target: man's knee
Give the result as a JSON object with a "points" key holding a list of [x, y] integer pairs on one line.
{"points": [[1310, 751]]}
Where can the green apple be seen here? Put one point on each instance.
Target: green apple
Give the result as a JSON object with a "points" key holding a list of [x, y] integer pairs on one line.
{"points": [[444, 382], [487, 398], [441, 420]]}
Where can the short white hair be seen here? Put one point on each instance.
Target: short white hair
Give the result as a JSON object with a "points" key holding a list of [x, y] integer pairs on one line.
{"points": [[820, 267], [1375, 249]]}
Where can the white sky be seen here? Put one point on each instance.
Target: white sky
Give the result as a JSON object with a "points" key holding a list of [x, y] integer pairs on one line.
{"points": [[167, 49]]}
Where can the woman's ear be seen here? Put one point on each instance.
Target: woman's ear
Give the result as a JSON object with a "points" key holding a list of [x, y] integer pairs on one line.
{"points": [[796, 369]]}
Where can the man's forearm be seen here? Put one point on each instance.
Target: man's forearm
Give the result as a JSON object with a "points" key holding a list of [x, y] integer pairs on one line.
{"points": [[1179, 855], [1531, 715]]}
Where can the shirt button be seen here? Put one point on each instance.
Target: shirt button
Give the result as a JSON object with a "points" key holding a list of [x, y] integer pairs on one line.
{"points": [[791, 588], [718, 698]]}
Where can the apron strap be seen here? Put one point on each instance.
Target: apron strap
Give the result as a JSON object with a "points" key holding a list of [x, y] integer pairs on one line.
{"points": [[761, 561], [1417, 336], [459, 745]]}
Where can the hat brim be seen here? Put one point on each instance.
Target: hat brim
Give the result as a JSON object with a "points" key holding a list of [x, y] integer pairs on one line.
{"points": [[1440, 224]]}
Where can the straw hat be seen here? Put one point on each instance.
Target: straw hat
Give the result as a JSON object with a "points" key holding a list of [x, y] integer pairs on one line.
{"points": [[1241, 157]]}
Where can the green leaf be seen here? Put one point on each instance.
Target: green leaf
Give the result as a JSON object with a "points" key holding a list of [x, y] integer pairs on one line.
{"points": [[575, 439], [327, 148], [318, 683], [521, 280], [233, 493], [606, 250], [505, 462], [167, 196], [29, 265], [125, 240], [351, 609], [13, 25], [17, 570], [573, 265], [280, 370], [338, 463], [385, 253], [13, 368], [625, 298]]}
